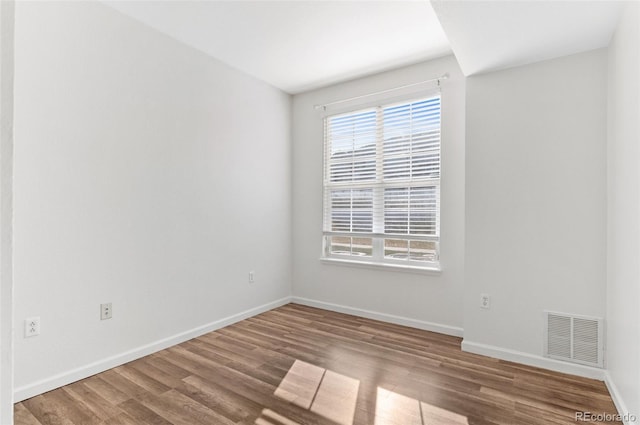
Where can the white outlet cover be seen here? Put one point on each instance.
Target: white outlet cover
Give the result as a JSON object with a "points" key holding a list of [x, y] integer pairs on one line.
{"points": [[106, 311], [485, 301], [31, 326]]}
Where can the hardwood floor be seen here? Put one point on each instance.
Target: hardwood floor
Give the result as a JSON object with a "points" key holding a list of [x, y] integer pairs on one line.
{"points": [[301, 365]]}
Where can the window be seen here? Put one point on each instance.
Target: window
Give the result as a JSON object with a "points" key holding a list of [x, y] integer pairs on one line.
{"points": [[382, 184]]}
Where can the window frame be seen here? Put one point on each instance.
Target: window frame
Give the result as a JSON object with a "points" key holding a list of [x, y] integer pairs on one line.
{"points": [[378, 259]]}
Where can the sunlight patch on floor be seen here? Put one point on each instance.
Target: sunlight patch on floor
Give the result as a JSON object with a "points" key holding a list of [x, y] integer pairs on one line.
{"points": [[327, 393], [395, 409]]}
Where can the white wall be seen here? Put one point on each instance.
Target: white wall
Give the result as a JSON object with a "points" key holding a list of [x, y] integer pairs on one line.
{"points": [[6, 210], [623, 280], [147, 175], [535, 199], [426, 300]]}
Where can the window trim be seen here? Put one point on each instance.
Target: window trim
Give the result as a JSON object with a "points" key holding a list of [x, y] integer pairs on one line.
{"points": [[333, 261], [377, 260]]}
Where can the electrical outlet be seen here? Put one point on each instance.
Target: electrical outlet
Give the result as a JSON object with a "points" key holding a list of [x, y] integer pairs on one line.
{"points": [[31, 326], [485, 301], [106, 312], [251, 277]]}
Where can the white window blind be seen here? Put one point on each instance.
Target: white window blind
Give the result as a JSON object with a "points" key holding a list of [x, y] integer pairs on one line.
{"points": [[382, 184]]}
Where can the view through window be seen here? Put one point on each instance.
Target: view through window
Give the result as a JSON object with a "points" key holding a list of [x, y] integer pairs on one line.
{"points": [[382, 184]]}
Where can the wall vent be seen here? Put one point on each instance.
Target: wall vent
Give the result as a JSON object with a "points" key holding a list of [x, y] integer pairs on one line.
{"points": [[576, 339]]}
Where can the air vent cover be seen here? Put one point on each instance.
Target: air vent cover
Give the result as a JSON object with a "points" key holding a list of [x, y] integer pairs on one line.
{"points": [[572, 338]]}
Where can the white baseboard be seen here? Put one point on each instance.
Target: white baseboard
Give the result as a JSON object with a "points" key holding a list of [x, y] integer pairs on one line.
{"points": [[48, 384], [533, 360], [623, 411], [383, 317]]}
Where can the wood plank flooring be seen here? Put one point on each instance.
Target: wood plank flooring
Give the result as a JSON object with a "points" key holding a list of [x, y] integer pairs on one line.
{"points": [[301, 365]]}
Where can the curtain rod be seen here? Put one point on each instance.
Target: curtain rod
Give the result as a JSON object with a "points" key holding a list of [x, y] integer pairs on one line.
{"points": [[438, 79]]}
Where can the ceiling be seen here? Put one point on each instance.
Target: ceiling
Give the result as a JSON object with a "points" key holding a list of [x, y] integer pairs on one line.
{"points": [[299, 45], [490, 35]]}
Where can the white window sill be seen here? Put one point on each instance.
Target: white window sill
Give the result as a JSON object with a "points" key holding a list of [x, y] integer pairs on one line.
{"points": [[380, 266]]}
